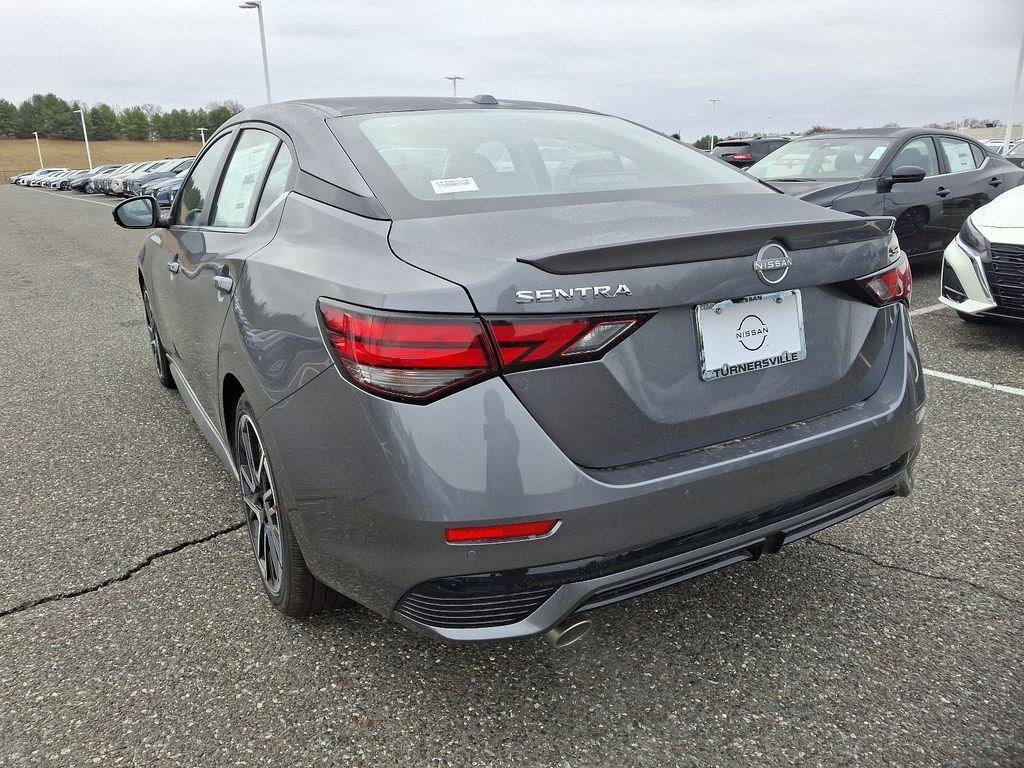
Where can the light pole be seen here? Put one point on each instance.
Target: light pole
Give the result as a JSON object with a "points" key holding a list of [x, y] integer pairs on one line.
{"points": [[454, 79], [1016, 93], [202, 135], [258, 5], [714, 110], [85, 133], [38, 150], [769, 117]]}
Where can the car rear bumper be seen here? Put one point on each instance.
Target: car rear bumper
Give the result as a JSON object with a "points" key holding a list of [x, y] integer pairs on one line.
{"points": [[372, 485], [461, 609]]}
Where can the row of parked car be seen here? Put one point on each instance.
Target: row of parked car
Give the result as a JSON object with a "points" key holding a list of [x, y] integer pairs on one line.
{"points": [[159, 178], [744, 152]]}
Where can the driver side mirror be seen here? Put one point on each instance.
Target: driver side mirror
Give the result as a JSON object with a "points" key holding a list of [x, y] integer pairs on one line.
{"points": [[905, 174], [138, 213]]}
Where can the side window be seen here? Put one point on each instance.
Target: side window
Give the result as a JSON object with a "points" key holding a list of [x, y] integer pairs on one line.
{"points": [[277, 180], [919, 152], [958, 154], [979, 155], [243, 176], [195, 193]]}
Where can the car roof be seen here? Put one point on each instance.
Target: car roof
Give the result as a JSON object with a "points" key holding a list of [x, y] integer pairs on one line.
{"points": [[748, 139], [363, 105], [897, 133]]}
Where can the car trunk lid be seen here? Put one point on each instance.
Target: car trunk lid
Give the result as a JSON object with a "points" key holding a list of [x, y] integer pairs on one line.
{"points": [[649, 397]]}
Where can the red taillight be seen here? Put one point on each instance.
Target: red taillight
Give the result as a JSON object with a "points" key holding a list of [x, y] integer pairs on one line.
{"points": [[419, 358], [405, 356], [493, 533], [742, 156], [894, 283], [532, 341]]}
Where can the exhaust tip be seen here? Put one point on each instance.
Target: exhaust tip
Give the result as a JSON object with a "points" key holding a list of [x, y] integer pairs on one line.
{"points": [[567, 632]]}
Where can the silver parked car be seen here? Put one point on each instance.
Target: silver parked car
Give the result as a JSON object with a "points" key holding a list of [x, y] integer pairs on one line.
{"points": [[487, 366]]}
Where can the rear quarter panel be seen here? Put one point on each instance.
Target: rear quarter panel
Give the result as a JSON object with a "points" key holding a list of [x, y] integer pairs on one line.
{"points": [[272, 342]]}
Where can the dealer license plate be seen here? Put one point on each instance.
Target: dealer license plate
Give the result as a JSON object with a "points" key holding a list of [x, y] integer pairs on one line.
{"points": [[750, 334]]}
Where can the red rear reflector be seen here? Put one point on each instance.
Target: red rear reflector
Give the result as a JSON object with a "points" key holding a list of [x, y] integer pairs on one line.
{"points": [[894, 283], [486, 533]]}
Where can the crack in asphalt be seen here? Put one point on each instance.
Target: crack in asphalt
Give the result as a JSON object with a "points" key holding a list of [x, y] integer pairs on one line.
{"points": [[124, 576], [150, 559], [903, 569]]}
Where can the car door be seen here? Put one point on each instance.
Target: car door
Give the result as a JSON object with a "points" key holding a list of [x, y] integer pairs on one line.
{"points": [[919, 207], [165, 272], [213, 235], [973, 182]]}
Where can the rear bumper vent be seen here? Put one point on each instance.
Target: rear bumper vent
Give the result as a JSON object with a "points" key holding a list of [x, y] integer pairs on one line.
{"points": [[426, 605]]}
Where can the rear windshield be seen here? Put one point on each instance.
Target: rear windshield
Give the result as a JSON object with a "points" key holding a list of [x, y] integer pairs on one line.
{"points": [[841, 157], [730, 149], [453, 161]]}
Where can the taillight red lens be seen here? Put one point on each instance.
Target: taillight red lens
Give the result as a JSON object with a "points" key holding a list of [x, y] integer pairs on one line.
{"points": [[529, 342], [419, 358], [493, 533], [742, 156], [406, 356], [894, 283]]}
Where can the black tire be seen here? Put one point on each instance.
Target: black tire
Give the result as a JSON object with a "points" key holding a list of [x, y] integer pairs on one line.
{"points": [[163, 365], [287, 581]]}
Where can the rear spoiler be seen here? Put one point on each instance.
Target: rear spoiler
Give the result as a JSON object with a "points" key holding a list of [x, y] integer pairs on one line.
{"points": [[705, 246]]}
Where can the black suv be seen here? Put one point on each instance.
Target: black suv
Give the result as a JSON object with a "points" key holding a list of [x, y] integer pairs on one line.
{"points": [[746, 152]]}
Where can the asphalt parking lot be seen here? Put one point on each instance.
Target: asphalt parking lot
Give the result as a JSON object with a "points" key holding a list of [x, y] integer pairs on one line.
{"points": [[133, 632]]}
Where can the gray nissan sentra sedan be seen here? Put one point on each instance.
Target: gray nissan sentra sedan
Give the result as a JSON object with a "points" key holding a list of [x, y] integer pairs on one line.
{"points": [[484, 366]]}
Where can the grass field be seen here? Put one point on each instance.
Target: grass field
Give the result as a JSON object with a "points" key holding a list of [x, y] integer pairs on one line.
{"points": [[17, 155]]}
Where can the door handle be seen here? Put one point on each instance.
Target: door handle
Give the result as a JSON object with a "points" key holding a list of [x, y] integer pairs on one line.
{"points": [[223, 283], [995, 181], [173, 267], [942, 192]]}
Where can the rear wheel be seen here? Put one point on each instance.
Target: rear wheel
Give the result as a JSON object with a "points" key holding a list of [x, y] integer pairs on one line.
{"points": [[287, 580], [163, 366]]}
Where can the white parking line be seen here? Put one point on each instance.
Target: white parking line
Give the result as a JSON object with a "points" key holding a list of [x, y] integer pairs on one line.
{"points": [[68, 197], [926, 310], [975, 382]]}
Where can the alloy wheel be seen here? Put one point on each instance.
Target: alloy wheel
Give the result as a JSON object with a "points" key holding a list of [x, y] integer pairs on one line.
{"points": [[262, 515]]}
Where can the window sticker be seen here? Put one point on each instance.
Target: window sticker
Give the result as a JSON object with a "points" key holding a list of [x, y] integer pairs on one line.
{"points": [[457, 184], [244, 171], [877, 152]]}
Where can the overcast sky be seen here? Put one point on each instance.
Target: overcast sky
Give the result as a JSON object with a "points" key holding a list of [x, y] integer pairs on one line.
{"points": [[844, 64]]}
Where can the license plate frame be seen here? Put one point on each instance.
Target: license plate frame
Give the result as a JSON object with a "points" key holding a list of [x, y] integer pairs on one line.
{"points": [[735, 336]]}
